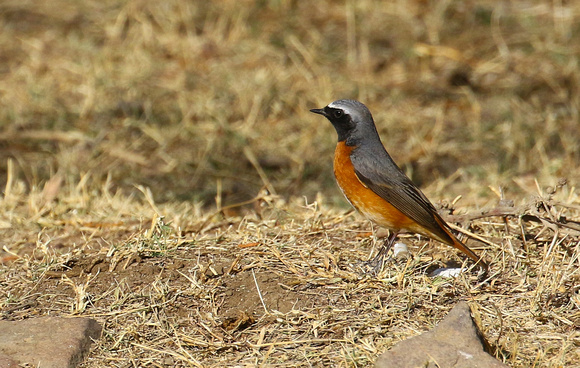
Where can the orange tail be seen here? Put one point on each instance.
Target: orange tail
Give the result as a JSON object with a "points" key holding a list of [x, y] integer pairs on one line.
{"points": [[462, 247], [471, 254]]}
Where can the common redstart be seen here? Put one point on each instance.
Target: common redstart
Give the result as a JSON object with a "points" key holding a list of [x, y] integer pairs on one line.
{"points": [[376, 187]]}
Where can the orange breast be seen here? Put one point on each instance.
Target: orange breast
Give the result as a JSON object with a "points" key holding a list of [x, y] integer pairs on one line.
{"points": [[367, 202]]}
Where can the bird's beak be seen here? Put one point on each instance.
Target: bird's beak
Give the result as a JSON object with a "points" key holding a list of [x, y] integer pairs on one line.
{"points": [[318, 111]]}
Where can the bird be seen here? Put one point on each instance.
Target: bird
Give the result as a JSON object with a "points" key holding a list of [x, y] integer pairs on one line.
{"points": [[376, 187]]}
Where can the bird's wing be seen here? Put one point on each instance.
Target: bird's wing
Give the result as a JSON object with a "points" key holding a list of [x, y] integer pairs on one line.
{"points": [[388, 181]]}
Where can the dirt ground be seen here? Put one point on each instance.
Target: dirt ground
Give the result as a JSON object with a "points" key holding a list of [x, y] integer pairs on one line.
{"points": [[285, 287], [160, 172]]}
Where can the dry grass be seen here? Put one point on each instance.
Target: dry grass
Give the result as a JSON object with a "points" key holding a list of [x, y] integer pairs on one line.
{"points": [[127, 129]]}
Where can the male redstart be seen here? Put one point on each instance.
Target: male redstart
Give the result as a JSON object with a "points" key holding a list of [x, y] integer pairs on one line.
{"points": [[376, 187]]}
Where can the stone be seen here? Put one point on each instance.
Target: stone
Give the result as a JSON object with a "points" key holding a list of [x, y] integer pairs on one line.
{"points": [[455, 343], [47, 342]]}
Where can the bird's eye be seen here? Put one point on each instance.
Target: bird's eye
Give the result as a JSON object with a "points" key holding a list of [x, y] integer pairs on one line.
{"points": [[338, 114]]}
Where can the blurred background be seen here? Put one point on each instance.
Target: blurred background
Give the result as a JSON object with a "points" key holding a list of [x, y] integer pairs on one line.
{"points": [[201, 100]]}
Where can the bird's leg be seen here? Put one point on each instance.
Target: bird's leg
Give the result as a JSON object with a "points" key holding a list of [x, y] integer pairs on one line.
{"points": [[378, 261]]}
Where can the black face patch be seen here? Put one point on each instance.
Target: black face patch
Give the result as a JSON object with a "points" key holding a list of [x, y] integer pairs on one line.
{"points": [[337, 113], [341, 121]]}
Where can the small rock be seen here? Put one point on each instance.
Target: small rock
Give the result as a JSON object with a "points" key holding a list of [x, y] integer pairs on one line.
{"points": [[447, 273], [456, 342], [48, 342], [400, 250]]}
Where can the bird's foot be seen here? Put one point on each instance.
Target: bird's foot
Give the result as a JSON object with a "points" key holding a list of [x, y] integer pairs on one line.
{"points": [[375, 265]]}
